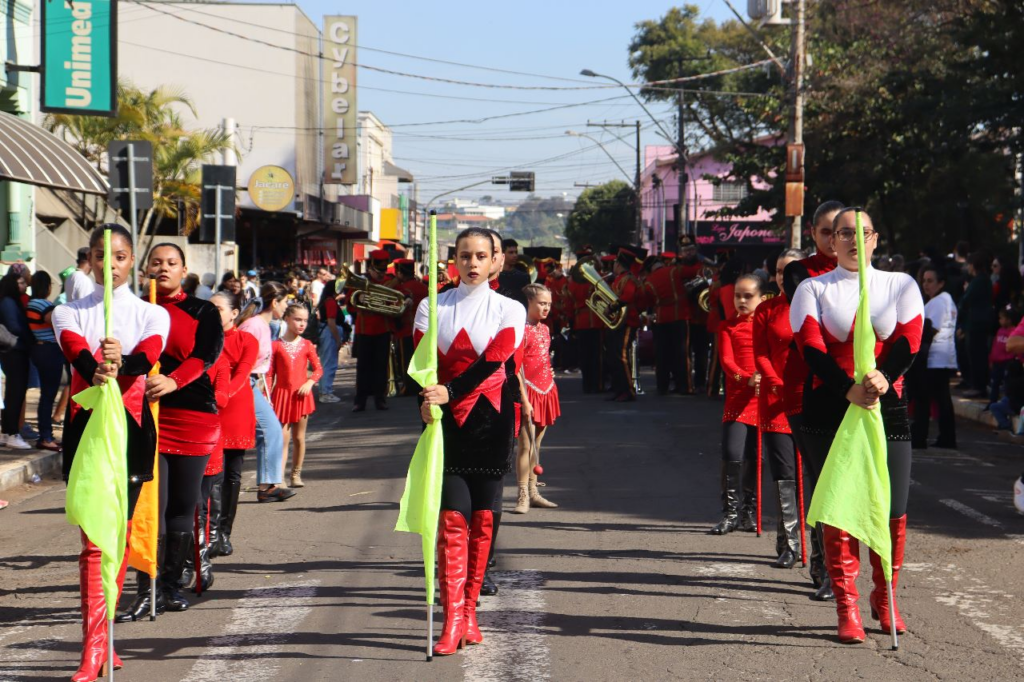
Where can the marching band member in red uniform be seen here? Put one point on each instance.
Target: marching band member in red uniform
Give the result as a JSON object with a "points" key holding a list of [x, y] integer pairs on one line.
{"points": [[478, 331], [822, 315], [619, 341], [797, 374], [415, 290], [372, 344], [772, 340], [665, 287], [140, 332], [739, 418], [587, 328]]}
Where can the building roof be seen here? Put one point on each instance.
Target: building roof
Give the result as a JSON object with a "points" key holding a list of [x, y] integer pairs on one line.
{"points": [[461, 217]]}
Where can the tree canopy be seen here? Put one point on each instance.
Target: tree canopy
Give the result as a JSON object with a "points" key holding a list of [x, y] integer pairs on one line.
{"points": [[913, 109], [603, 215]]}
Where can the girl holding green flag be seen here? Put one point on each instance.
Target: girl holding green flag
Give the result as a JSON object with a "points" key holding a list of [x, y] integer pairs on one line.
{"points": [[822, 316], [139, 335]]}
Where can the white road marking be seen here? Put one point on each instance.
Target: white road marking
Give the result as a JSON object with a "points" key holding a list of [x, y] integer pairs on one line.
{"points": [[972, 513], [731, 570], [515, 647], [257, 629], [991, 611], [994, 496]]}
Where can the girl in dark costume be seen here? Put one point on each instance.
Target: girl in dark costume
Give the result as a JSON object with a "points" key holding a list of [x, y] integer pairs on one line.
{"points": [[189, 428], [140, 334], [822, 316], [478, 331]]}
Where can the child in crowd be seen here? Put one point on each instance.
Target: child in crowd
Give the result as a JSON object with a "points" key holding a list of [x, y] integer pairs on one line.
{"points": [[540, 398], [292, 392], [739, 418], [999, 359]]}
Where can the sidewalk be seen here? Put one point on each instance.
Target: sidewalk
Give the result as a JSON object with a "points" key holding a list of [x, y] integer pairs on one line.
{"points": [[19, 466]]}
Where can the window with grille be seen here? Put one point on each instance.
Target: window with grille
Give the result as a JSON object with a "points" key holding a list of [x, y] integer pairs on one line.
{"points": [[729, 193]]}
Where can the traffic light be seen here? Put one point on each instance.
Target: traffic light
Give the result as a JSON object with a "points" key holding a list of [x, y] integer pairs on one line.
{"points": [[521, 181]]}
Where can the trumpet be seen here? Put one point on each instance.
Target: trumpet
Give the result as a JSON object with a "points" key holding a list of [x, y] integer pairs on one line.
{"points": [[374, 298], [602, 300]]}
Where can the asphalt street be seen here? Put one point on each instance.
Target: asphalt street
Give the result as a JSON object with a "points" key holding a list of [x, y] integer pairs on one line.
{"points": [[622, 582]]}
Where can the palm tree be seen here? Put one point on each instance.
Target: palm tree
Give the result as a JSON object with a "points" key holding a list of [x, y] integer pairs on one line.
{"points": [[178, 153]]}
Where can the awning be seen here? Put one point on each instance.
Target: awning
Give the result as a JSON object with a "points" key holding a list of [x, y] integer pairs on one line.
{"points": [[392, 170], [34, 156]]}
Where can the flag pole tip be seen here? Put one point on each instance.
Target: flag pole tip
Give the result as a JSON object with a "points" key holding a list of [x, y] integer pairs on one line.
{"points": [[430, 659], [433, 212]]}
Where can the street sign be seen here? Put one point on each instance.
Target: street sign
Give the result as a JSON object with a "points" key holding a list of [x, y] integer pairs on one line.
{"points": [[217, 208], [131, 174], [794, 199], [794, 162]]}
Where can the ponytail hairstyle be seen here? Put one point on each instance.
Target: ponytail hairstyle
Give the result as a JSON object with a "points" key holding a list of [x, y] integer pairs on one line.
{"points": [[531, 291], [271, 292], [234, 301], [294, 307], [755, 278], [167, 245]]}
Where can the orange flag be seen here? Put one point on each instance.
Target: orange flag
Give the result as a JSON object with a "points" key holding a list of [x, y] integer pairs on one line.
{"points": [[146, 520]]}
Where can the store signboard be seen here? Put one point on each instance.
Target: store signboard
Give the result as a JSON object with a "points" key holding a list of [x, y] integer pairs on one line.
{"points": [[736, 233], [340, 108], [271, 188], [79, 57]]}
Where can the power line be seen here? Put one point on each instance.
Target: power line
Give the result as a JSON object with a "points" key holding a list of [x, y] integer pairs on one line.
{"points": [[650, 85]]}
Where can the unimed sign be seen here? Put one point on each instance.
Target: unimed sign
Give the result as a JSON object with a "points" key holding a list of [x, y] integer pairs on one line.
{"points": [[340, 100], [79, 47]]}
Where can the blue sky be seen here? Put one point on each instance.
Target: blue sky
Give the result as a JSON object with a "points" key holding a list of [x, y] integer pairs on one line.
{"points": [[556, 38]]}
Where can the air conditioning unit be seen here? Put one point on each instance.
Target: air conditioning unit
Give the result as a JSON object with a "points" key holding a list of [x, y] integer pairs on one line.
{"points": [[767, 12]]}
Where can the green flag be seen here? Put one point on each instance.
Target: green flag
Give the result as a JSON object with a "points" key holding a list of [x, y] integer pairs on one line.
{"points": [[852, 492], [421, 501], [97, 495]]}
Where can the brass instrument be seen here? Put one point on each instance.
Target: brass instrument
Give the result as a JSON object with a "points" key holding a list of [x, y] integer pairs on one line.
{"points": [[602, 300], [699, 289], [374, 298], [525, 264]]}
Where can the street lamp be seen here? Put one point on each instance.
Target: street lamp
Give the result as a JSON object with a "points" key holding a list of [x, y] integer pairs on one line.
{"points": [[678, 145], [573, 133]]}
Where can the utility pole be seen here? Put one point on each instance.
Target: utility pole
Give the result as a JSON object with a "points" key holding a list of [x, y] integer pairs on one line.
{"points": [[681, 225], [796, 130]]}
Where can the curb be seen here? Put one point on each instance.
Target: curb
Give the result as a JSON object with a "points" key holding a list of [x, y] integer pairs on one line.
{"points": [[21, 470], [973, 410]]}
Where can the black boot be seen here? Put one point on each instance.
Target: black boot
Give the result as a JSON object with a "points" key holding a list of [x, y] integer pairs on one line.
{"points": [[141, 606], [789, 524], [748, 512], [816, 559], [730, 498], [205, 576], [216, 512], [227, 520], [178, 547], [488, 588], [824, 592]]}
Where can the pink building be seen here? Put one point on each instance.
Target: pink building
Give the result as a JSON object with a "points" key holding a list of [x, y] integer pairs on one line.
{"points": [[663, 215]]}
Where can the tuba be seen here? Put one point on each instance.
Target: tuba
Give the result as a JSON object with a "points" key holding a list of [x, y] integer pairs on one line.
{"points": [[602, 300], [525, 264], [374, 298]]}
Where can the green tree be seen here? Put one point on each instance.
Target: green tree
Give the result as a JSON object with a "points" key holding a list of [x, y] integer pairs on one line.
{"points": [[537, 221], [178, 153], [603, 215]]}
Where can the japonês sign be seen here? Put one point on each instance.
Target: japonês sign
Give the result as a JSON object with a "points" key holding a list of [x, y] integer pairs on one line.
{"points": [[79, 57], [340, 110], [736, 233]]}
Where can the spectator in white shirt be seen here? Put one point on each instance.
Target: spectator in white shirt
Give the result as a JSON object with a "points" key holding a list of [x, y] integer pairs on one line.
{"points": [[80, 284], [940, 323]]}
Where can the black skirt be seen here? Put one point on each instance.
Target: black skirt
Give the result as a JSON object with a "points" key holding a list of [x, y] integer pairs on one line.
{"points": [[483, 444]]}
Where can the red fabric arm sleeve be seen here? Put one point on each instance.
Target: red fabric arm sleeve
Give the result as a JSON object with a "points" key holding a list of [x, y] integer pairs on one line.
{"points": [[314, 360], [762, 350], [726, 355], [240, 376]]}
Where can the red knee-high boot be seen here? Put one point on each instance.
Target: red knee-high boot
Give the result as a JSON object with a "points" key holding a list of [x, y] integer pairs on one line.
{"points": [[842, 558], [452, 560], [94, 610], [481, 529], [879, 598]]}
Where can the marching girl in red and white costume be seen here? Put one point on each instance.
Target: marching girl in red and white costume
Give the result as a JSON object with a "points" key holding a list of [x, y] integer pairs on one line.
{"points": [[140, 331], [822, 315], [773, 337], [739, 418], [478, 330], [540, 402]]}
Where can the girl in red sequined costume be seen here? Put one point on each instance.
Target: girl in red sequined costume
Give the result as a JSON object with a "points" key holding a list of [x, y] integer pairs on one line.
{"points": [[739, 419], [292, 394], [540, 400]]}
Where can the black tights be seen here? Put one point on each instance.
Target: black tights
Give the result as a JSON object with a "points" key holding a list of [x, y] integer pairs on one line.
{"points": [[739, 442], [899, 455], [471, 492], [233, 465], [181, 482], [781, 455]]}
